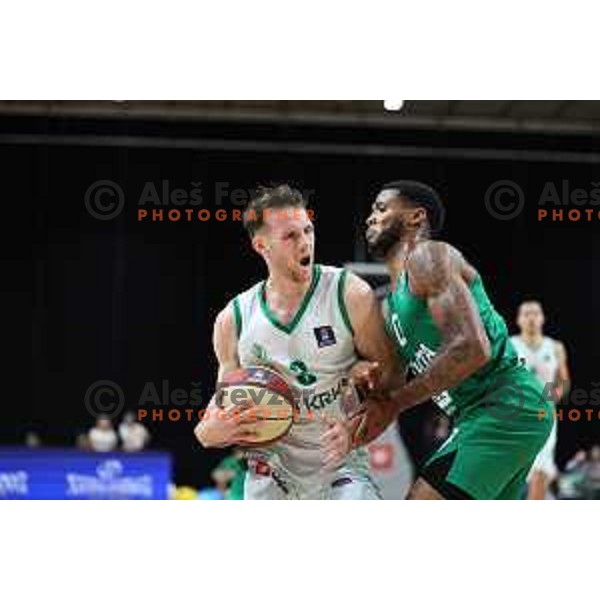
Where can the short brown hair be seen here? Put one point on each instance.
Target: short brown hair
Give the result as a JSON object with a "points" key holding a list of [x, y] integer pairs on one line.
{"points": [[281, 196]]}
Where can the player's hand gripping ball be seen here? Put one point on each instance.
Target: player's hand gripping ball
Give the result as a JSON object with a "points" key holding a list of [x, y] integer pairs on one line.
{"points": [[264, 398]]}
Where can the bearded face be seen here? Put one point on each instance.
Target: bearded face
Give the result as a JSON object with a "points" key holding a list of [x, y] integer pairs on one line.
{"points": [[388, 223]]}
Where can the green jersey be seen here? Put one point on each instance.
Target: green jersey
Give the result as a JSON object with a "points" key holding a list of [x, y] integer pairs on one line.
{"points": [[490, 451], [418, 339], [238, 468]]}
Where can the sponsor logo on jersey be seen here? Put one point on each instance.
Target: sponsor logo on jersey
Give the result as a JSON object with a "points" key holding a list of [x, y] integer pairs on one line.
{"points": [[325, 336], [419, 364], [260, 353], [323, 399], [420, 361]]}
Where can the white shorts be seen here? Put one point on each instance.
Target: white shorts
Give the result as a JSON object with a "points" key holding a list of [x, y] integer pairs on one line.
{"points": [[348, 486], [544, 461]]}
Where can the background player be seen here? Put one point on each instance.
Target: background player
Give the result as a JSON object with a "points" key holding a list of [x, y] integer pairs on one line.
{"points": [[458, 352], [547, 359], [310, 322]]}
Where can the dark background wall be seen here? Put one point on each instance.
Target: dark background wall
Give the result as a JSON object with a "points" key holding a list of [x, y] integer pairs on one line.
{"points": [[134, 302]]}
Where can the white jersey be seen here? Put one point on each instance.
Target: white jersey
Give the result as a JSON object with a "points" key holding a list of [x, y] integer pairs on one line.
{"points": [[315, 352], [542, 361]]}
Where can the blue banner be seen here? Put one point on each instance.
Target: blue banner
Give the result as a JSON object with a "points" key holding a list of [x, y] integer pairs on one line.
{"points": [[74, 475]]}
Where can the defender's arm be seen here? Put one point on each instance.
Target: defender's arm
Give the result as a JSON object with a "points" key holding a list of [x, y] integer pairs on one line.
{"points": [[434, 274]]}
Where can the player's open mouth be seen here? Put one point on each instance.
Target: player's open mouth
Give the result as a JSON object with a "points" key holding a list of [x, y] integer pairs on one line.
{"points": [[305, 261]]}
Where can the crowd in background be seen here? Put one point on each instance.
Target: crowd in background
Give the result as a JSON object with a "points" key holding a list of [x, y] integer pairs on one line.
{"points": [[129, 436], [580, 479]]}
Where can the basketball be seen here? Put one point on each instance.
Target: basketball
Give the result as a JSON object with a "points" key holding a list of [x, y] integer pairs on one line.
{"points": [[268, 393]]}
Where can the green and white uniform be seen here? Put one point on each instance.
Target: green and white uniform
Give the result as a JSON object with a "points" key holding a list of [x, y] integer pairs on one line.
{"points": [[498, 412], [315, 351], [543, 363]]}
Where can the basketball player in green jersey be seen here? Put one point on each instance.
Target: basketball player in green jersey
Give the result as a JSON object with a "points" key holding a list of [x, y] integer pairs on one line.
{"points": [[457, 351]]}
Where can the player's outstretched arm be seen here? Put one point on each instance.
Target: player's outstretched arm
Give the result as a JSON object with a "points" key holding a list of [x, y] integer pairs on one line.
{"points": [[434, 274], [213, 432]]}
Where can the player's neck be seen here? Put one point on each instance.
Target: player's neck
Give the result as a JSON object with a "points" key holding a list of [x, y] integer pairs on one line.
{"points": [[396, 259], [285, 290], [532, 339]]}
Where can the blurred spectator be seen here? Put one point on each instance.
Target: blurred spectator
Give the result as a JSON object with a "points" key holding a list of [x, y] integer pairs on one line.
{"points": [[134, 436], [592, 474], [581, 478], [103, 437], [569, 482], [32, 440], [82, 442]]}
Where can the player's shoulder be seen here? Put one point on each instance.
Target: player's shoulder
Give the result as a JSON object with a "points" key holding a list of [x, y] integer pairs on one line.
{"points": [[331, 271], [230, 317], [517, 342], [431, 264], [248, 292], [329, 268], [433, 254], [224, 320], [350, 290], [550, 341], [347, 282], [558, 346], [243, 300]]}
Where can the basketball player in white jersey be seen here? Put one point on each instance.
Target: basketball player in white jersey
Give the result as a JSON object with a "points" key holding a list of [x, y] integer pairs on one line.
{"points": [[547, 358], [312, 323]]}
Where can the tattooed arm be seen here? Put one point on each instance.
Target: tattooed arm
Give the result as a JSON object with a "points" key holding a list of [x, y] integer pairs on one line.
{"points": [[434, 274]]}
